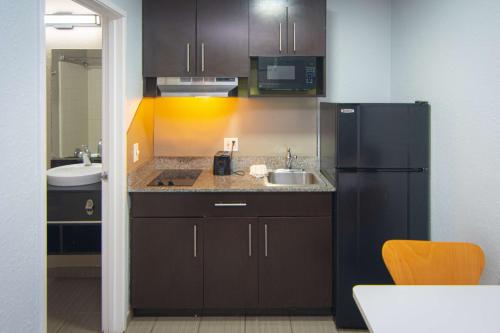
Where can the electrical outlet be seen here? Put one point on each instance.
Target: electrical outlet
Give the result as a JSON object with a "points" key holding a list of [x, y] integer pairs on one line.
{"points": [[136, 152], [228, 143]]}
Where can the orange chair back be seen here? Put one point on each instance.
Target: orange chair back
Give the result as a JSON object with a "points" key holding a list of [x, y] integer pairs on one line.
{"points": [[433, 263]]}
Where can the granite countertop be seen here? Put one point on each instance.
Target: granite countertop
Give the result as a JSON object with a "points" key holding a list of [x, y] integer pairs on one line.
{"points": [[139, 179]]}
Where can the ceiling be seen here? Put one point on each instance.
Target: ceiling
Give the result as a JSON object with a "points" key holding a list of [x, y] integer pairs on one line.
{"points": [[54, 6]]}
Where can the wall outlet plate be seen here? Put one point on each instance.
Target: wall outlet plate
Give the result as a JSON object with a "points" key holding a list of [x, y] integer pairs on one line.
{"points": [[228, 142], [136, 152]]}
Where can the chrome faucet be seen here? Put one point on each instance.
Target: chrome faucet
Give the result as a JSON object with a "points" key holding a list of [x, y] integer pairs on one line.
{"points": [[86, 155], [289, 159]]}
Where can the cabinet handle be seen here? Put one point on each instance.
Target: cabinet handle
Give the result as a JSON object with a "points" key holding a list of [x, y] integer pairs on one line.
{"points": [[249, 240], [280, 37], [294, 35], [202, 57], [235, 204], [89, 207], [265, 240], [187, 57], [195, 250]]}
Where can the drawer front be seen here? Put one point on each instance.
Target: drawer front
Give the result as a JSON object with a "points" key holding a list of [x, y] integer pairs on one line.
{"points": [[231, 204], [167, 205], [73, 206]]}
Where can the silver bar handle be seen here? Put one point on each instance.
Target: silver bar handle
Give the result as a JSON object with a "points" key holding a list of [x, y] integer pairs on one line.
{"points": [[195, 240], [280, 38], [187, 57], [249, 240], [235, 204], [265, 240], [202, 57], [294, 38]]}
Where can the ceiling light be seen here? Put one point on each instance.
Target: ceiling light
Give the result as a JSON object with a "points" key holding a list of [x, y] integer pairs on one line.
{"points": [[68, 21]]}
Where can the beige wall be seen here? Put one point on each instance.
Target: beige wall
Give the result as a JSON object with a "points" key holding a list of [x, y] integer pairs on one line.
{"points": [[265, 126], [141, 132]]}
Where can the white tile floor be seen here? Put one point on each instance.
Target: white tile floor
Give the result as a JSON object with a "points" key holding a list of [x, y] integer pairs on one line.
{"points": [[235, 325], [74, 307]]}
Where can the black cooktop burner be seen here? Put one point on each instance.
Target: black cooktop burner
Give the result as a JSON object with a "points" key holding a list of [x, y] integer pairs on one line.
{"points": [[176, 178]]}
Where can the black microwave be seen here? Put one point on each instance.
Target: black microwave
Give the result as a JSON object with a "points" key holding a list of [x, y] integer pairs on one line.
{"points": [[286, 73]]}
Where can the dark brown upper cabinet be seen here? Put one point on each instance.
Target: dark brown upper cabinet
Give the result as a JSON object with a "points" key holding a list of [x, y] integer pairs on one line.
{"points": [[231, 263], [222, 31], [307, 27], [287, 27], [168, 38], [195, 38]]}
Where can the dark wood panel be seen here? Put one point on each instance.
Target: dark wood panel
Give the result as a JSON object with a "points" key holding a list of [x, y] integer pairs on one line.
{"points": [[295, 262], [222, 28], [70, 206], [167, 272], [255, 204], [264, 28], [309, 18], [230, 263], [168, 27], [167, 205]]}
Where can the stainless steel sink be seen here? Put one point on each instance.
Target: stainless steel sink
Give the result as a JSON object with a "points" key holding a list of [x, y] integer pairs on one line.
{"points": [[293, 177]]}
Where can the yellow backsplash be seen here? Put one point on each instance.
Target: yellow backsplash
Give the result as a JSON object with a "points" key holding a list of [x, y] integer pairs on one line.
{"points": [[195, 126]]}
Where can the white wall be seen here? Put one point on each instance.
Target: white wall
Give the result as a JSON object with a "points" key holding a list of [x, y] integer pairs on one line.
{"points": [[73, 107], [134, 56], [22, 235], [447, 52], [358, 50]]}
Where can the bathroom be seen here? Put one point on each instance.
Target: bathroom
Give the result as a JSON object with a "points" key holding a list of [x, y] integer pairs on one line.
{"points": [[74, 145]]}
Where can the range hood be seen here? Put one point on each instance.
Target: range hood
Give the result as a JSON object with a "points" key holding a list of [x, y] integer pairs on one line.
{"points": [[198, 86]]}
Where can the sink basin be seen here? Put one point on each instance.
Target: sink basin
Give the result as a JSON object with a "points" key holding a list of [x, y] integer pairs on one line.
{"points": [[285, 177], [74, 175]]}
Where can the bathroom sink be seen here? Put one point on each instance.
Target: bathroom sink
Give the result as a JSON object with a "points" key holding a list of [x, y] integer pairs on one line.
{"points": [[74, 175], [293, 177]]}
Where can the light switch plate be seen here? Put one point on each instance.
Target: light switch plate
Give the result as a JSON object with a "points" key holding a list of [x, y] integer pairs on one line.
{"points": [[136, 152], [228, 142]]}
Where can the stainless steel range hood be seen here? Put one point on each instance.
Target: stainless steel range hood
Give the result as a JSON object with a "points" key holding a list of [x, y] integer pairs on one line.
{"points": [[198, 86]]}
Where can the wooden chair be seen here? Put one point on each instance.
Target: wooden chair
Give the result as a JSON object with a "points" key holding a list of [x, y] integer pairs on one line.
{"points": [[433, 263]]}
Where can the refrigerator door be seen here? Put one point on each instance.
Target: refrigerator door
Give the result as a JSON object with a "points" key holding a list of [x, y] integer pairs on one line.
{"points": [[382, 136], [373, 207]]}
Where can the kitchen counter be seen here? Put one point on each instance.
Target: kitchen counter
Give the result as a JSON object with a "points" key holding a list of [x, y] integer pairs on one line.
{"points": [[207, 182]]}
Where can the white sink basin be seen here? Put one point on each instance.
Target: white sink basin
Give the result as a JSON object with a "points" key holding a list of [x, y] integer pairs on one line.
{"points": [[74, 175]]}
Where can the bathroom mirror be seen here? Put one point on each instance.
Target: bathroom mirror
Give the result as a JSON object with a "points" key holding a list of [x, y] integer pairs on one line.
{"points": [[74, 102]]}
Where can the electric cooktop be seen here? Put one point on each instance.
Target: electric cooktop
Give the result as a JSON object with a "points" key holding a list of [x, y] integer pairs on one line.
{"points": [[173, 177]]}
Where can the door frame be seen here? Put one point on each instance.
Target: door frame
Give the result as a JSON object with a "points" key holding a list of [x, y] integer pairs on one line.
{"points": [[114, 282]]}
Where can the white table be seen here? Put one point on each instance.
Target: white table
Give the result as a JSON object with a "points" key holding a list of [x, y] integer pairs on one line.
{"points": [[427, 309]]}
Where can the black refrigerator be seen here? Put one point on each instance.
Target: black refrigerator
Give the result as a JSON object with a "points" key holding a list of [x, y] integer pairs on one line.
{"points": [[377, 155]]}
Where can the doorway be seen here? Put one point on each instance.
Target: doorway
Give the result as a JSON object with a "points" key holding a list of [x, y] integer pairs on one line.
{"points": [[74, 214], [101, 295]]}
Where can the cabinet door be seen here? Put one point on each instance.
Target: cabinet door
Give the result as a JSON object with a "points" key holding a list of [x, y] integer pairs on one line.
{"points": [[230, 270], [268, 28], [167, 263], [295, 266], [222, 37], [169, 37], [307, 27]]}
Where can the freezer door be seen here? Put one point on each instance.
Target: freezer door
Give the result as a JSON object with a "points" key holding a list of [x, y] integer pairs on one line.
{"points": [[373, 207], [383, 136]]}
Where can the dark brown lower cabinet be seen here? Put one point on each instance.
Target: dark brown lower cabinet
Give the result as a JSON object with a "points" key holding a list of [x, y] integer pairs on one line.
{"points": [[225, 259], [231, 263], [295, 262], [167, 263]]}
